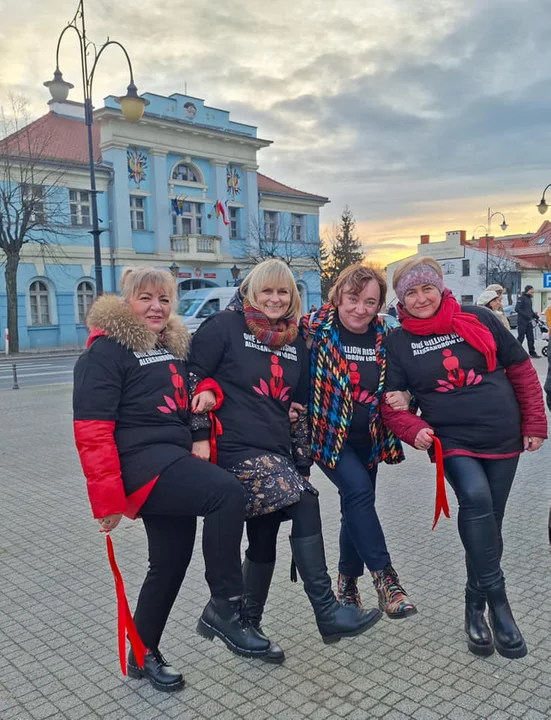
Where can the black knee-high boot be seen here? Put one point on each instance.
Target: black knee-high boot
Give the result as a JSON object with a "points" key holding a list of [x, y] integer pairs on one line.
{"points": [[257, 578], [334, 620]]}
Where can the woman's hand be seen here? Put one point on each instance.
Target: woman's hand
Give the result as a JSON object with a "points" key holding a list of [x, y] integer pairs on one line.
{"points": [[424, 439], [532, 443], [398, 399], [109, 522], [294, 409], [203, 402], [201, 449]]}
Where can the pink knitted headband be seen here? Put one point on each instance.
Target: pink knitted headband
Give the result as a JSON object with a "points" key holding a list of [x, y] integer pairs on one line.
{"points": [[418, 275]]}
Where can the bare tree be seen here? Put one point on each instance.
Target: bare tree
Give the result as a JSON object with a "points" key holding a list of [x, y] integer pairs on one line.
{"points": [[32, 208], [502, 270], [277, 241]]}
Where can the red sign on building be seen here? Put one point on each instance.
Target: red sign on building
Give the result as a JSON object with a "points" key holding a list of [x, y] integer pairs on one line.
{"points": [[209, 275]]}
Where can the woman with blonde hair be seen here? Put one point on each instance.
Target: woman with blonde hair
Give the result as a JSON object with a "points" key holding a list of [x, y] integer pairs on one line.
{"points": [[465, 370], [347, 372], [252, 351], [134, 430]]}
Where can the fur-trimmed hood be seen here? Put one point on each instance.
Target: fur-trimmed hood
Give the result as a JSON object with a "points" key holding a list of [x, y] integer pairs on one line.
{"points": [[113, 317]]}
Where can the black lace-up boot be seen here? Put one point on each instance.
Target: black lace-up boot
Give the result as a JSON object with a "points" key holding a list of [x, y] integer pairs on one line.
{"points": [[157, 670], [227, 620]]}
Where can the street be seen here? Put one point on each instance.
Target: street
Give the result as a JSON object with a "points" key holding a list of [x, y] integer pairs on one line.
{"points": [[58, 612], [37, 371]]}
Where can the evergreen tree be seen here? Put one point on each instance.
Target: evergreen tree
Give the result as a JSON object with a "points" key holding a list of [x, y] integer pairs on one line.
{"points": [[345, 250]]}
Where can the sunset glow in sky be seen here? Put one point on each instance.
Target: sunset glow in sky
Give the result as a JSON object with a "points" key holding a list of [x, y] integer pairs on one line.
{"points": [[417, 114]]}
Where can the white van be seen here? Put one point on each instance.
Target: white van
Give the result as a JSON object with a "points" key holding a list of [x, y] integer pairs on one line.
{"points": [[197, 305]]}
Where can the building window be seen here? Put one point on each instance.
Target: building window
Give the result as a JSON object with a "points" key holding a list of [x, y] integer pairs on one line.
{"points": [[270, 225], [466, 268], [85, 298], [32, 198], [137, 212], [297, 228], [185, 173], [234, 223], [79, 205], [188, 220], [40, 303], [466, 299]]}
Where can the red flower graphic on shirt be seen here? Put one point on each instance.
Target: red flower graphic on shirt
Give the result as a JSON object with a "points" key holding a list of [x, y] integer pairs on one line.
{"points": [[359, 395], [180, 394], [274, 387], [456, 375]]}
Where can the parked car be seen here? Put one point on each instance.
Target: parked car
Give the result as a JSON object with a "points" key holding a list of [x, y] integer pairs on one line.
{"points": [[197, 305], [390, 320], [512, 316]]}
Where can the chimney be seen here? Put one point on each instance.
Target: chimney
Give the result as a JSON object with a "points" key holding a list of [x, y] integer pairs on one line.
{"points": [[425, 239], [462, 237], [482, 241]]}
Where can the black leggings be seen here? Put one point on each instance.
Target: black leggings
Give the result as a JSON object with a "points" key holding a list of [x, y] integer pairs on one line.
{"points": [[482, 488], [188, 489], [262, 531]]}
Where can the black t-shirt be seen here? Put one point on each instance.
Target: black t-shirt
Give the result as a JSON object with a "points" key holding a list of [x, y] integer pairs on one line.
{"points": [[258, 385], [469, 408], [363, 372], [145, 394]]}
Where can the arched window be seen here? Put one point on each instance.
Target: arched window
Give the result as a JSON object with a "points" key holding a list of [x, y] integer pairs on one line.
{"points": [[40, 303], [184, 172], [85, 298]]}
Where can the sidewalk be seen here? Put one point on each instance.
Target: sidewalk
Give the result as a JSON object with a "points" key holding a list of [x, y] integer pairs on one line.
{"points": [[58, 620], [41, 353]]}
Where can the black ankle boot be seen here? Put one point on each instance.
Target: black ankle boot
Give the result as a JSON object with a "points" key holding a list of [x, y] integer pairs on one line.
{"points": [[257, 578], [334, 620], [507, 637], [479, 635], [156, 669], [227, 620]]}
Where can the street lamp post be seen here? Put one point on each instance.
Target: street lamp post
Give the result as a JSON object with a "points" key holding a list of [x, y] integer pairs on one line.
{"points": [[487, 229], [132, 107], [235, 273], [542, 207]]}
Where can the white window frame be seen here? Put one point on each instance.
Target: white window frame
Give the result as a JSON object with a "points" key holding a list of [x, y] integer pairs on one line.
{"points": [[137, 211], [37, 197], [193, 220], [88, 298], [235, 222], [199, 180], [42, 296], [80, 200], [297, 227], [270, 225]]}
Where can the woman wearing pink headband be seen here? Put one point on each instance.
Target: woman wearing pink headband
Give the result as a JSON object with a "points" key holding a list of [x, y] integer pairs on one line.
{"points": [[465, 370]]}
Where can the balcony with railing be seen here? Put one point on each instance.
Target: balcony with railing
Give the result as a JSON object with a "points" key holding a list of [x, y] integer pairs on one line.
{"points": [[196, 247]]}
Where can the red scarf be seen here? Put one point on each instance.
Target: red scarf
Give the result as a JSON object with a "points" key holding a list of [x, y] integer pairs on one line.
{"points": [[449, 319], [274, 336]]}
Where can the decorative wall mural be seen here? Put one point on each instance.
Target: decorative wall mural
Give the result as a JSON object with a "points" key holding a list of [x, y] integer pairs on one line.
{"points": [[137, 165], [233, 179]]}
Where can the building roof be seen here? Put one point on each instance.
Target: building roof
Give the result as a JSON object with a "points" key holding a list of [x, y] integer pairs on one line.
{"points": [[53, 137], [273, 187], [64, 139]]}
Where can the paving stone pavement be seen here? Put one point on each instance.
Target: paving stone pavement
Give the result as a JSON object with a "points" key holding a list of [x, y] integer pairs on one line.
{"points": [[57, 604]]}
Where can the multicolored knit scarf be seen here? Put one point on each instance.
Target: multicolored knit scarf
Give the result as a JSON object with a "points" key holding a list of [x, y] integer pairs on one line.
{"points": [[331, 404], [274, 336]]}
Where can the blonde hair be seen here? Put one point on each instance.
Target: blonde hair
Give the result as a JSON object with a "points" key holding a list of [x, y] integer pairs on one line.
{"points": [[272, 272], [355, 278], [134, 281], [404, 266]]}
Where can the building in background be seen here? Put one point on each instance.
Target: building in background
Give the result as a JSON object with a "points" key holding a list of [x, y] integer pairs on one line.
{"points": [[463, 265], [180, 189]]}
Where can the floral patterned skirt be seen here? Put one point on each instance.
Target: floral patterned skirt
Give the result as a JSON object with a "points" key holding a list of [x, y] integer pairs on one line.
{"points": [[270, 482]]}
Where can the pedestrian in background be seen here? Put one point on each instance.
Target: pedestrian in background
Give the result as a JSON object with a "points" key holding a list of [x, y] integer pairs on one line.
{"points": [[490, 299], [134, 433], [252, 350], [498, 307], [466, 373], [347, 371], [526, 318]]}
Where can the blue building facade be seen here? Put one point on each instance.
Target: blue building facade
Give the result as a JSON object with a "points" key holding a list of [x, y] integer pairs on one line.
{"points": [[180, 189]]}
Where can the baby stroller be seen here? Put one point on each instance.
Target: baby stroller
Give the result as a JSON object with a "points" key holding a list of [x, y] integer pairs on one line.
{"points": [[544, 336]]}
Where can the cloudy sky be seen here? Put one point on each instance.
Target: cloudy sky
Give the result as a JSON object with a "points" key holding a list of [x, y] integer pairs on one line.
{"points": [[418, 114]]}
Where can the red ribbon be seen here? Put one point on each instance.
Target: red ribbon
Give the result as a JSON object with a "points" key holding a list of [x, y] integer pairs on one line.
{"points": [[215, 424], [125, 622], [440, 500]]}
